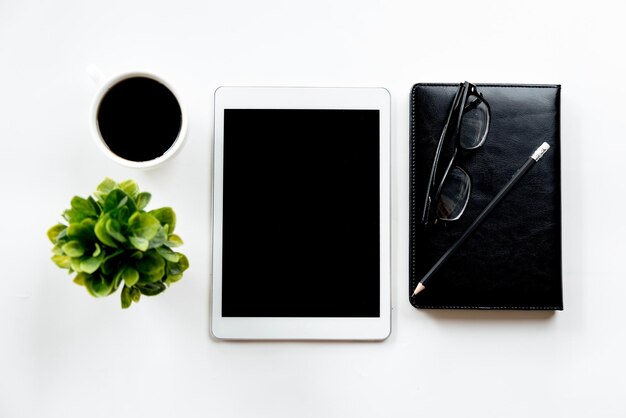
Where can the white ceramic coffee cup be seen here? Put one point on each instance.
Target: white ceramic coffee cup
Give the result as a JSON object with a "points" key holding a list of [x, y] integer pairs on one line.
{"points": [[104, 84]]}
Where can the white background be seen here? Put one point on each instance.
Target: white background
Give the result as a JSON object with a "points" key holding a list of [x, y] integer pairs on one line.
{"points": [[65, 354]]}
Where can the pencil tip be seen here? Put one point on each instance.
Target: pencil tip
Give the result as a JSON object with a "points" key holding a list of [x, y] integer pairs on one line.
{"points": [[418, 289]]}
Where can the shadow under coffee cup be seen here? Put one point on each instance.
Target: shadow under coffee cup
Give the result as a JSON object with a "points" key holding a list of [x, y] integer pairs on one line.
{"points": [[137, 119]]}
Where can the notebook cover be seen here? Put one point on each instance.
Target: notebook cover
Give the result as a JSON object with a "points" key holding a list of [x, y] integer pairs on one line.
{"points": [[513, 259]]}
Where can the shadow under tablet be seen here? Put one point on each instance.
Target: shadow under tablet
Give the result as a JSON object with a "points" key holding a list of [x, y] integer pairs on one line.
{"points": [[301, 217]]}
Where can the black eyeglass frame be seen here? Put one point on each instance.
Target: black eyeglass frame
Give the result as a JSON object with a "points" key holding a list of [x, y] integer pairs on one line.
{"points": [[457, 110]]}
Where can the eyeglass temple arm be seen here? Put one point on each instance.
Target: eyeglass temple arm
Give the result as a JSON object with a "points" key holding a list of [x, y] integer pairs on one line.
{"points": [[433, 170], [455, 104]]}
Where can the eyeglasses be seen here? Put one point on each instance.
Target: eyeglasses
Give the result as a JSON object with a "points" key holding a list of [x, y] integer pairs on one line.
{"points": [[467, 125]]}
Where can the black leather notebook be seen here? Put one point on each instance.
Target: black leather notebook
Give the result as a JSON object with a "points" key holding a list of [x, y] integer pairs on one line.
{"points": [[513, 259]]}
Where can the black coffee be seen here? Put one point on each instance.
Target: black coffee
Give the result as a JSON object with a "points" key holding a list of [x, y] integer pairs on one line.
{"points": [[139, 119]]}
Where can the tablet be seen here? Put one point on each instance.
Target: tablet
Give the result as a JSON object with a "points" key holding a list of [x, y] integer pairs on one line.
{"points": [[301, 214]]}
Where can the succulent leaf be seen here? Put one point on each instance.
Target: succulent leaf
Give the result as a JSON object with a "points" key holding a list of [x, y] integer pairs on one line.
{"points": [[143, 225], [57, 249], [114, 229], [98, 286], [130, 276], [143, 199], [62, 261], [54, 232], [166, 216], [139, 243], [126, 298], [159, 239], [102, 233], [115, 200], [135, 294], [104, 189], [168, 254], [82, 231], [80, 279], [179, 267], [130, 187], [151, 289], [75, 264], [81, 209], [91, 264], [150, 263], [174, 241], [73, 249], [97, 250]]}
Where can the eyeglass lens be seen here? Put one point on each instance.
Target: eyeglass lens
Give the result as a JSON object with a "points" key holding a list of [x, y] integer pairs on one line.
{"points": [[474, 123], [453, 195]]}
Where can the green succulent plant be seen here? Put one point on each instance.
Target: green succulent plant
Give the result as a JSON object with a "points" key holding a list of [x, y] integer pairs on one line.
{"points": [[110, 240]]}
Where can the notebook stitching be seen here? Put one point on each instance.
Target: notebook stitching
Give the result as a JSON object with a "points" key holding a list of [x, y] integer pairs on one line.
{"points": [[412, 217], [486, 308], [513, 86]]}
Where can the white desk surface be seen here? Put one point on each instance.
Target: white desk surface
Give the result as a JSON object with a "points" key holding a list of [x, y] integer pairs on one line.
{"points": [[64, 354]]}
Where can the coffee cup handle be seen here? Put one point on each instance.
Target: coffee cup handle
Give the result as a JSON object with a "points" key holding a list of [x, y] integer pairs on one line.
{"points": [[96, 75]]}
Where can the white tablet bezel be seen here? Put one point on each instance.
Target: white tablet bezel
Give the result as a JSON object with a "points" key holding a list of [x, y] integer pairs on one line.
{"points": [[281, 328]]}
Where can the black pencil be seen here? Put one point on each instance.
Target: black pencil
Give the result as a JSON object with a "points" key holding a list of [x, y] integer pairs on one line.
{"points": [[532, 160]]}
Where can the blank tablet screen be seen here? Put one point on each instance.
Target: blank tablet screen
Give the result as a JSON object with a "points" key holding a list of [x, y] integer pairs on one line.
{"points": [[301, 217]]}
